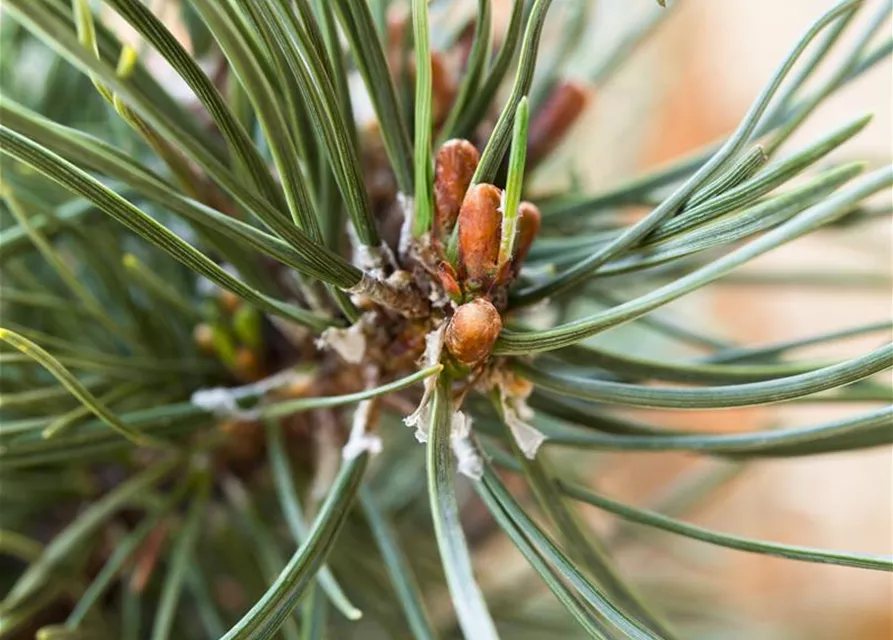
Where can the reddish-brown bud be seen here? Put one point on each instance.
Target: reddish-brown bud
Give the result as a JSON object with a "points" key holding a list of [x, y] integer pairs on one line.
{"points": [[553, 120], [528, 226], [472, 331], [448, 280], [480, 224], [454, 166]]}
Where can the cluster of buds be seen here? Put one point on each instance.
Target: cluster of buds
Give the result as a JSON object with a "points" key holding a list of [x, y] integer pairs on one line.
{"points": [[233, 334], [476, 263], [468, 229]]}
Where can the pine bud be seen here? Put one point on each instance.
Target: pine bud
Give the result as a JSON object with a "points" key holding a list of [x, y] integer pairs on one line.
{"points": [[554, 119], [528, 226], [472, 331], [448, 280], [454, 166], [480, 224]]}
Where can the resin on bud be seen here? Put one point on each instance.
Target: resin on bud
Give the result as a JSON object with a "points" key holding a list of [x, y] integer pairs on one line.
{"points": [[472, 332], [480, 225], [554, 119], [454, 166]]}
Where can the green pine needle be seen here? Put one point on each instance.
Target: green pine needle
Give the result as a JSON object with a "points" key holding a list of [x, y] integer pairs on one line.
{"points": [[514, 185], [424, 206]]}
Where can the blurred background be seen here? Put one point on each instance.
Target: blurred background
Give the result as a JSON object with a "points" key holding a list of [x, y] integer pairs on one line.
{"points": [[688, 85]]}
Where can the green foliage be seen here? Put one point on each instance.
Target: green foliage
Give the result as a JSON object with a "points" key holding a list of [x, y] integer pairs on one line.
{"points": [[212, 333]]}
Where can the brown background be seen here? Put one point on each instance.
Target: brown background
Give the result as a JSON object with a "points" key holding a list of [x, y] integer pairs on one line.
{"points": [[702, 70]]}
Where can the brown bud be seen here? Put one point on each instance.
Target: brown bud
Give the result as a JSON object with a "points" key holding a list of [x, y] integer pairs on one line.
{"points": [[472, 331], [553, 120], [528, 226], [480, 224], [448, 280], [454, 166]]}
